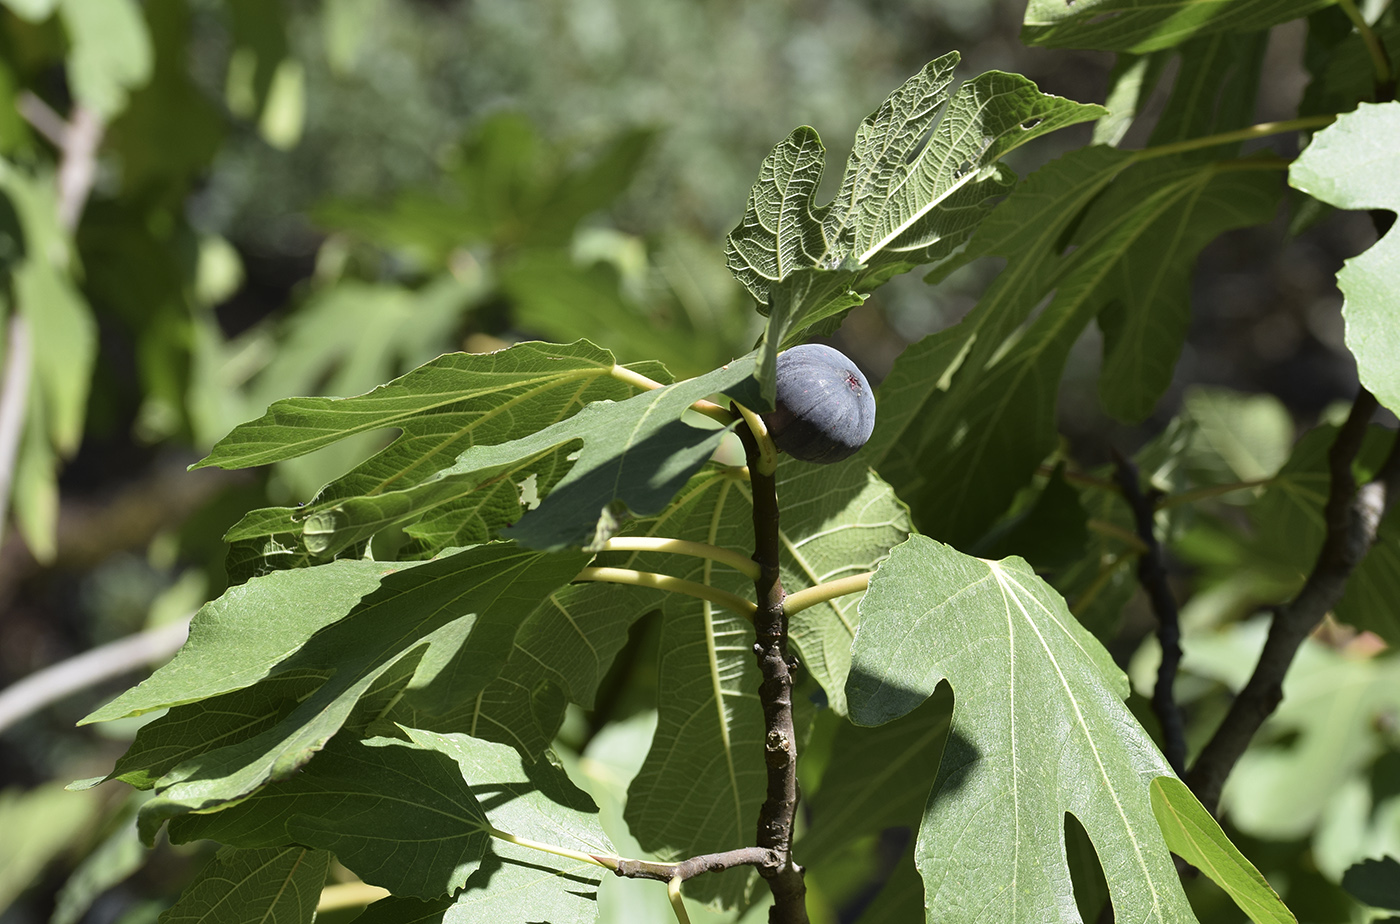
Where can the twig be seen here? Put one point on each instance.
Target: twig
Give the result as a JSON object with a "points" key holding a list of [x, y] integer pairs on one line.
{"points": [[1152, 574], [14, 403], [44, 120], [77, 141], [1352, 517], [78, 169], [42, 688], [688, 869], [779, 810]]}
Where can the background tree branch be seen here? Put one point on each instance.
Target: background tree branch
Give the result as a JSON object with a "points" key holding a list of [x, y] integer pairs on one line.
{"points": [[1152, 575], [1352, 516]]}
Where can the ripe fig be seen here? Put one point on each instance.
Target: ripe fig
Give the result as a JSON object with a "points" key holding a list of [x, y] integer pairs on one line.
{"points": [[825, 410]]}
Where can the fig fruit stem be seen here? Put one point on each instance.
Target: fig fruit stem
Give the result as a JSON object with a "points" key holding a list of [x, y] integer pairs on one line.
{"points": [[777, 815], [767, 462], [741, 563], [669, 584]]}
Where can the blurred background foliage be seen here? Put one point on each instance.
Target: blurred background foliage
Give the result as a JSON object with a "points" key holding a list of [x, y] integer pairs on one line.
{"points": [[291, 198]]}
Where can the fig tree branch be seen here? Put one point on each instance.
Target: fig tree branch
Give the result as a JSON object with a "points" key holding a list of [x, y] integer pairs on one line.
{"points": [[687, 869], [1352, 518], [778, 813], [647, 869], [1152, 575], [42, 688]]}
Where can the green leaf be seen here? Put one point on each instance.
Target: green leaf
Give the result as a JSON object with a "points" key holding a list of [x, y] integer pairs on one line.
{"points": [[968, 413], [474, 597], [1290, 528], [1354, 164], [442, 407], [1130, 83], [917, 182], [636, 455], [455, 402], [32, 10], [515, 885], [63, 348], [1193, 834], [901, 899], [945, 414], [279, 885], [1216, 85], [1331, 715], [846, 524], [40, 824], [560, 655], [119, 854], [188, 731], [1147, 291], [397, 816], [350, 337], [1050, 532], [244, 635], [1347, 75], [110, 53], [1375, 883], [703, 779], [1039, 730], [877, 778], [1129, 25]]}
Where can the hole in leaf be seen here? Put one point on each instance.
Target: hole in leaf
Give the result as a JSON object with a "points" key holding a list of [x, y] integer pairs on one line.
{"points": [[1030, 124], [1085, 871]]}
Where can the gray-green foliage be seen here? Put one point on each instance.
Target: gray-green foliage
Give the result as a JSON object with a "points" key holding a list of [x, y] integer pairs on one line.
{"points": [[386, 678]]}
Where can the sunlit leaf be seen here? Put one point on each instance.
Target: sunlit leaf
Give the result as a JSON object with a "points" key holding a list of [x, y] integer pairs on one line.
{"points": [[422, 615], [1193, 834], [917, 182], [1039, 730], [1354, 164]]}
